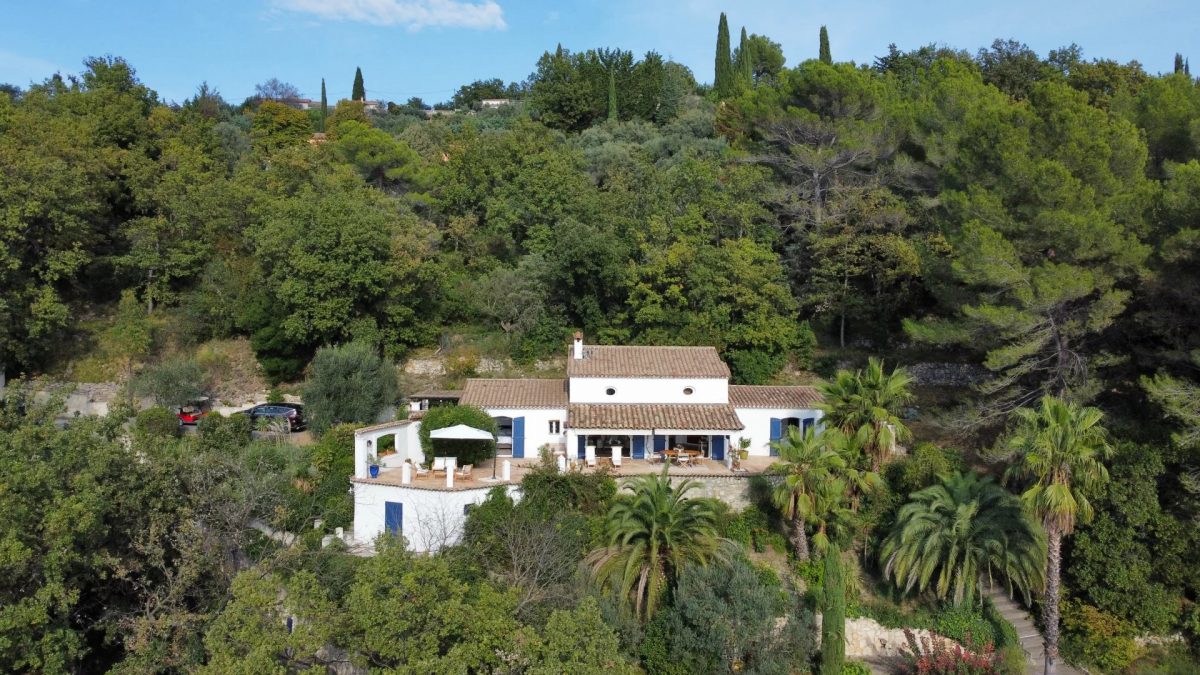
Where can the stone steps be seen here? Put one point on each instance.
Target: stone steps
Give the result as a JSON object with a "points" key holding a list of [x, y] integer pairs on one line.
{"points": [[1032, 642]]}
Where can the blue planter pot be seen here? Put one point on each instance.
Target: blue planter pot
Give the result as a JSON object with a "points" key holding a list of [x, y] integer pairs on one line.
{"points": [[374, 471]]}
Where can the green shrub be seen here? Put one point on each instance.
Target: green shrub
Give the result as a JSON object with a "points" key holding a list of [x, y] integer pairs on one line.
{"points": [[218, 431], [349, 383], [1004, 632], [754, 366], [156, 423], [806, 346], [964, 624], [1095, 638], [855, 668], [172, 383], [462, 363]]}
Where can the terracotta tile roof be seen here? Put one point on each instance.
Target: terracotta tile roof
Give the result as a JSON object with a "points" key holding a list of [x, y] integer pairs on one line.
{"points": [[624, 361], [647, 416], [436, 393], [752, 396], [527, 393]]}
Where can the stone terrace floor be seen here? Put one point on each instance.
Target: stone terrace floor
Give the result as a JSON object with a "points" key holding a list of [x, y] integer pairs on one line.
{"points": [[481, 477]]}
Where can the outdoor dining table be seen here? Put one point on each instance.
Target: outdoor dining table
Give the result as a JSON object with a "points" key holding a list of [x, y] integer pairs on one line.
{"points": [[681, 455]]}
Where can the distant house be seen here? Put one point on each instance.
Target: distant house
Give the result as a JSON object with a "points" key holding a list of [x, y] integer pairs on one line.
{"points": [[495, 102], [374, 106], [305, 103], [621, 406]]}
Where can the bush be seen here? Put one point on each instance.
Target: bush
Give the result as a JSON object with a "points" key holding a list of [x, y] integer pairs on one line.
{"points": [[156, 423], [218, 431], [349, 383], [754, 366], [462, 363], [466, 452], [921, 468], [936, 656], [172, 383], [855, 668], [964, 624], [806, 346], [1095, 638]]}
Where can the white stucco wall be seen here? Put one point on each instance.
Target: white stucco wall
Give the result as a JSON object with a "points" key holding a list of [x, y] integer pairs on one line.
{"points": [[758, 426], [537, 426], [432, 519], [648, 390], [406, 444]]}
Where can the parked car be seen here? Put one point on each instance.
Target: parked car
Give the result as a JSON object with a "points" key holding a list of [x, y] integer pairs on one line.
{"points": [[292, 412], [191, 412]]}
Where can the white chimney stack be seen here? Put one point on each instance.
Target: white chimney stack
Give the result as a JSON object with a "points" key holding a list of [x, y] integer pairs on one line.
{"points": [[577, 352]]}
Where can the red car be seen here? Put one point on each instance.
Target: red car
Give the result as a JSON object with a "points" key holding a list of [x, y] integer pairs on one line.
{"points": [[191, 413]]}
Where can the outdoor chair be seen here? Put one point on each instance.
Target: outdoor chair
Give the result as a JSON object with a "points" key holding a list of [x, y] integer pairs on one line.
{"points": [[439, 464], [420, 470], [590, 455], [464, 471], [616, 456]]}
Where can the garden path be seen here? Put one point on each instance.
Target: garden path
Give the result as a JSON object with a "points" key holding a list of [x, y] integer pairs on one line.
{"points": [[1027, 632]]}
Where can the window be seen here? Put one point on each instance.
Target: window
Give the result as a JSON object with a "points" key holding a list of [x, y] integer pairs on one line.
{"points": [[555, 426], [688, 391], [610, 391]]}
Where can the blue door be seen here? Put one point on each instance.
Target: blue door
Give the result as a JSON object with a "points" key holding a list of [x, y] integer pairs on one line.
{"points": [[807, 424], [393, 517], [660, 443], [717, 450], [518, 447], [776, 433], [582, 443], [639, 447]]}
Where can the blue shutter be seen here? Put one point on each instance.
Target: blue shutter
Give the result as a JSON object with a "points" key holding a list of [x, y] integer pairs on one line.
{"points": [[639, 447], [776, 433], [518, 444], [807, 424], [718, 448], [660, 443], [393, 517], [582, 444]]}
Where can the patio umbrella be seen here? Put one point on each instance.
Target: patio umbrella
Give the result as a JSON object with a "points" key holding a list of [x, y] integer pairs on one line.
{"points": [[462, 432]]}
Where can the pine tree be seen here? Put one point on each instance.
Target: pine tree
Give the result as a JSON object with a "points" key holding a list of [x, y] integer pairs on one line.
{"points": [[1178, 62], [745, 61], [825, 57], [324, 105], [723, 81], [833, 615], [612, 95], [358, 93]]}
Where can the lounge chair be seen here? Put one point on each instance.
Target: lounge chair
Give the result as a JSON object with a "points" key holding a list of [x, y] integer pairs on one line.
{"points": [[590, 455], [616, 456], [464, 471], [439, 464]]}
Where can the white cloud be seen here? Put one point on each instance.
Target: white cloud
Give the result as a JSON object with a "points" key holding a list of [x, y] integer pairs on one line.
{"points": [[412, 14]]}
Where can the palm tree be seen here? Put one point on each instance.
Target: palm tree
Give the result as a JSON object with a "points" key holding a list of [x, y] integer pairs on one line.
{"points": [[830, 515], [860, 480], [951, 537], [652, 534], [808, 460], [1059, 449], [869, 401]]}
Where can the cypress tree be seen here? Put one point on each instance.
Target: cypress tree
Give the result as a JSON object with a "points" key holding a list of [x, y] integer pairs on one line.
{"points": [[833, 615], [612, 95], [358, 92], [324, 104], [745, 61], [723, 81], [1178, 62], [825, 57]]}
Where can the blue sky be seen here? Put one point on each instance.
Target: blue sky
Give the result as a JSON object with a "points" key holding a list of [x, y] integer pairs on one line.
{"points": [[428, 48]]}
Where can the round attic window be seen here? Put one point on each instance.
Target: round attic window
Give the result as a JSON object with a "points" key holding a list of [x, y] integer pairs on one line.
{"points": [[688, 391], [610, 391]]}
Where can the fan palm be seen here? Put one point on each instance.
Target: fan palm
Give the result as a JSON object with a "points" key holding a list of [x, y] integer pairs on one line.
{"points": [[951, 537], [1059, 451], [808, 460], [652, 534], [869, 401], [860, 480], [830, 515]]}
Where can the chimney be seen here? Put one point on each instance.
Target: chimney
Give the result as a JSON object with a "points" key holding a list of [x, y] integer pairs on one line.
{"points": [[577, 350]]}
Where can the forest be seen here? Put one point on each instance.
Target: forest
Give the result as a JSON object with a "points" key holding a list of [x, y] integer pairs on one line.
{"points": [[1032, 221]]}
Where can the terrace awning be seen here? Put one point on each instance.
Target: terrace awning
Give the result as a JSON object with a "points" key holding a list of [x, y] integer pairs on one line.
{"points": [[462, 432]]}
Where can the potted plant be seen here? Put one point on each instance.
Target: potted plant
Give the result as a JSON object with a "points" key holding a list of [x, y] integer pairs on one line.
{"points": [[373, 467], [742, 453]]}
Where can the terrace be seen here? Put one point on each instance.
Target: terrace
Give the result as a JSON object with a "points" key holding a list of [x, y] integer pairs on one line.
{"points": [[481, 476]]}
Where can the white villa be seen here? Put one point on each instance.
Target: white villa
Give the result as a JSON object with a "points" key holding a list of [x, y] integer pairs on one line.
{"points": [[624, 406]]}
